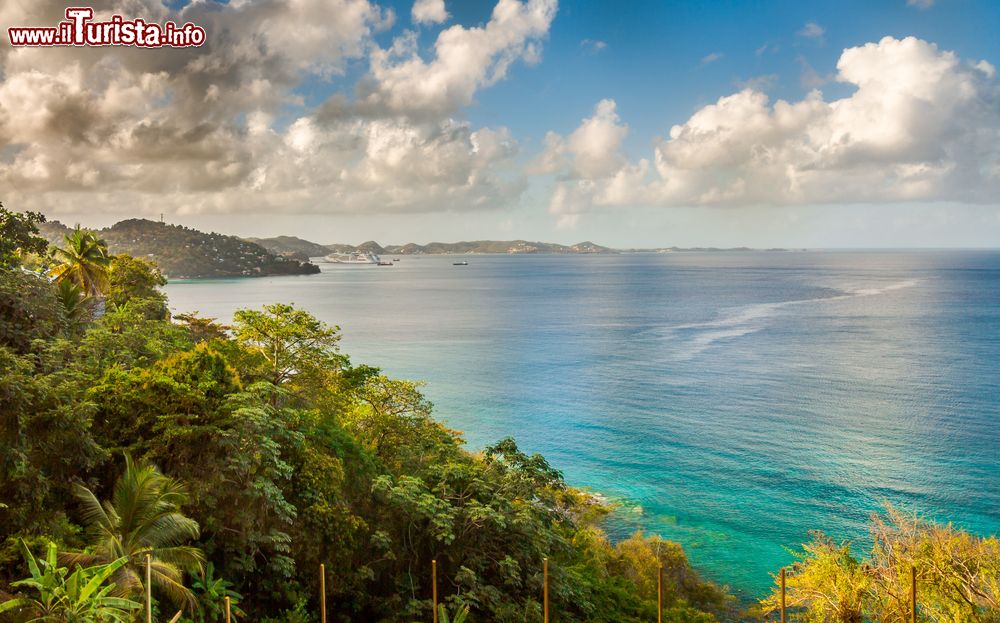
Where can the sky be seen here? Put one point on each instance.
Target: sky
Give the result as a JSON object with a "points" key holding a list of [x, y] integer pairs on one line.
{"points": [[631, 124]]}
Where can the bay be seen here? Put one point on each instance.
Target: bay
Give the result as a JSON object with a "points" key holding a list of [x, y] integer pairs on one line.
{"points": [[730, 401]]}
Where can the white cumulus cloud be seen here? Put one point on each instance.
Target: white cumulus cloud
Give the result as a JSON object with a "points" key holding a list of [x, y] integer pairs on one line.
{"points": [[207, 129], [429, 12], [464, 60], [591, 151], [921, 125]]}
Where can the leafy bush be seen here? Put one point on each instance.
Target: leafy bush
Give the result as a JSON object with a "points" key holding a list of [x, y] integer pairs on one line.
{"points": [[958, 575], [85, 595], [29, 310]]}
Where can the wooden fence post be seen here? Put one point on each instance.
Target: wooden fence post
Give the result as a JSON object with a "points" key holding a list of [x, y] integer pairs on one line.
{"points": [[149, 588], [659, 593], [913, 594], [783, 619], [545, 590], [322, 593], [434, 585], [229, 615]]}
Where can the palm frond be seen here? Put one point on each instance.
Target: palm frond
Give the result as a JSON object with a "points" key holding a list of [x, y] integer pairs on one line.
{"points": [[187, 558], [93, 512], [172, 529], [171, 587], [72, 560], [84, 261]]}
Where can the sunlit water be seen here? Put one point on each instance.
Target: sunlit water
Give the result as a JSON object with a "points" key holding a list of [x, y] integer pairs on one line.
{"points": [[729, 401]]}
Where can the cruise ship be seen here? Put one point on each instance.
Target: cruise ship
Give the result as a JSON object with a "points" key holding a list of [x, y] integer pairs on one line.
{"points": [[356, 257]]}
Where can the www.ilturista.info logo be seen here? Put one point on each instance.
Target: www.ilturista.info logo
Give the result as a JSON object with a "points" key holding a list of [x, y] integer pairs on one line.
{"points": [[80, 29]]}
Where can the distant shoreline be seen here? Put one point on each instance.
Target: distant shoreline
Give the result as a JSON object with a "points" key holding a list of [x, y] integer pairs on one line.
{"points": [[299, 248]]}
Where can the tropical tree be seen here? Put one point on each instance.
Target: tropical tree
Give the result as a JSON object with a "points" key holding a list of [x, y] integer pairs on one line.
{"points": [[136, 281], [826, 584], [84, 596], [29, 310], [84, 261], [142, 518], [75, 303], [19, 236], [392, 419], [290, 341], [202, 329]]}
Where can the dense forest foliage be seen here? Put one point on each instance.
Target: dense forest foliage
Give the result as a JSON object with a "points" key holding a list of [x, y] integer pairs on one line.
{"points": [[241, 458], [182, 252]]}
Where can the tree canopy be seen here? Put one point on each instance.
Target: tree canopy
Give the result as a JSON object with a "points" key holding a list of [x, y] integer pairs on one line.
{"points": [[84, 261], [19, 236], [242, 458], [262, 449]]}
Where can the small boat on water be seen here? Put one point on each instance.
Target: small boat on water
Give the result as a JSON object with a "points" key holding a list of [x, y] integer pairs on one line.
{"points": [[356, 257], [462, 263]]}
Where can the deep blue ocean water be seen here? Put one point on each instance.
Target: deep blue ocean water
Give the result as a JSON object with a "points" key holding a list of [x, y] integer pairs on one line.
{"points": [[730, 401]]}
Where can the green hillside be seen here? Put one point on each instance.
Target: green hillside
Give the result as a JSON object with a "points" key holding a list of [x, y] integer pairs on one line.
{"points": [[181, 252], [291, 246]]}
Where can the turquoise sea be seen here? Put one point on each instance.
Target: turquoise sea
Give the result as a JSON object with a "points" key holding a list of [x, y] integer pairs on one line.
{"points": [[730, 401]]}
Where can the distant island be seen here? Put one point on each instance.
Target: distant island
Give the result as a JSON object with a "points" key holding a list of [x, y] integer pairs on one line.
{"points": [[181, 252], [293, 247], [702, 250]]}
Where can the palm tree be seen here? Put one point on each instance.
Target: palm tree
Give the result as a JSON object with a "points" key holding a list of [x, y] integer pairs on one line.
{"points": [[143, 517], [75, 303], [85, 261]]}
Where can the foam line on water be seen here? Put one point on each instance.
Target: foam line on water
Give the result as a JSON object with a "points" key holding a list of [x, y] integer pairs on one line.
{"points": [[749, 319]]}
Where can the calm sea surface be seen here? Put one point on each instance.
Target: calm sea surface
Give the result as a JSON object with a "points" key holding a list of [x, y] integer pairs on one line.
{"points": [[729, 401]]}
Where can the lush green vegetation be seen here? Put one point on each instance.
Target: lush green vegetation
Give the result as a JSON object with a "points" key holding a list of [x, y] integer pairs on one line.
{"points": [[83, 595], [82, 261], [183, 252], [19, 236], [240, 459], [958, 576], [236, 460]]}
